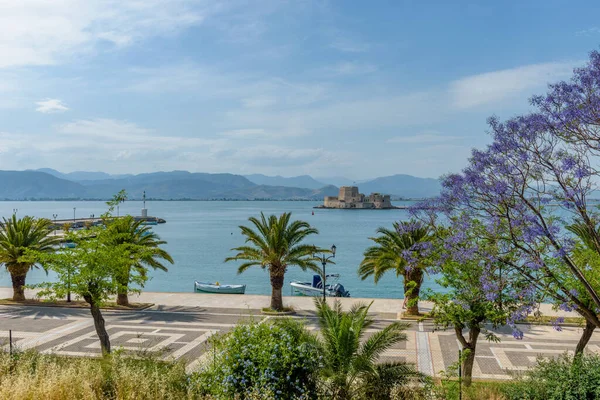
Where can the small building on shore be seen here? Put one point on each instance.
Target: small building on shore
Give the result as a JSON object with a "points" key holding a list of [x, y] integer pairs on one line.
{"points": [[349, 197]]}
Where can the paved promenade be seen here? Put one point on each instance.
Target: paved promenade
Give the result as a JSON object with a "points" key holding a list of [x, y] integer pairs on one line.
{"points": [[179, 325]]}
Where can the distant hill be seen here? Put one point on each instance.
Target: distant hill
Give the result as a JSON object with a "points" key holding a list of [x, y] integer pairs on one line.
{"points": [[338, 181], [303, 181], [265, 192], [171, 185], [19, 185], [81, 175], [406, 186], [51, 184]]}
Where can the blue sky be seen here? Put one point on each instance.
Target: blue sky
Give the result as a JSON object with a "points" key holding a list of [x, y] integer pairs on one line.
{"points": [[328, 88]]}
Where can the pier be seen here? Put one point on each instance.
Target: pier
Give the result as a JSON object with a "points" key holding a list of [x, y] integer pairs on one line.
{"points": [[76, 223]]}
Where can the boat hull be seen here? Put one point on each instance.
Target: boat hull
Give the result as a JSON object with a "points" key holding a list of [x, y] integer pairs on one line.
{"points": [[204, 287], [306, 289]]}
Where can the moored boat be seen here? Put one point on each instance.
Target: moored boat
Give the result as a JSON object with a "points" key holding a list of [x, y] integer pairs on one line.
{"points": [[216, 287], [315, 288]]}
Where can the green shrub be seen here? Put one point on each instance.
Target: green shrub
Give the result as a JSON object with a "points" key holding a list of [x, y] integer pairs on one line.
{"points": [[563, 378], [269, 360]]}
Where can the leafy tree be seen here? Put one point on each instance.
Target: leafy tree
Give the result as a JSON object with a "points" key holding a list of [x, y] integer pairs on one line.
{"points": [[350, 364], [89, 270], [16, 237], [276, 244], [477, 293], [127, 231], [399, 250]]}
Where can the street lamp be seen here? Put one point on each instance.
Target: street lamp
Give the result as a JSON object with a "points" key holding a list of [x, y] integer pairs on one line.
{"points": [[324, 259], [74, 208], [54, 216], [15, 211]]}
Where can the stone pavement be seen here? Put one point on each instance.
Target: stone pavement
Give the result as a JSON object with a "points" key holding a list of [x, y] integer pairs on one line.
{"points": [[183, 332]]}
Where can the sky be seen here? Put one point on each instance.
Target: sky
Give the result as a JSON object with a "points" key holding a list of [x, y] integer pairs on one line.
{"points": [[350, 88]]}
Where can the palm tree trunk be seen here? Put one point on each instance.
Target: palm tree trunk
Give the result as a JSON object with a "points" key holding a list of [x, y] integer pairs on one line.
{"points": [[412, 289], [122, 293], [585, 337], [122, 298], [276, 297], [99, 324], [18, 284]]}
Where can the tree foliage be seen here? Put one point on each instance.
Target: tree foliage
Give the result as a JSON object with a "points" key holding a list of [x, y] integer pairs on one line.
{"points": [[18, 236], [528, 185], [350, 363], [275, 244], [400, 250], [144, 243]]}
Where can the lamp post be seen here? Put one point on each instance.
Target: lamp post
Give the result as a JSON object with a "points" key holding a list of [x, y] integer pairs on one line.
{"points": [[15, 211], [74, 208], [54, 216], [324, 259]]}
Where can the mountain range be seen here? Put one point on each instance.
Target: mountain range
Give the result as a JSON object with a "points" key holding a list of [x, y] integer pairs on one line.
{"points": [[48, 183]]}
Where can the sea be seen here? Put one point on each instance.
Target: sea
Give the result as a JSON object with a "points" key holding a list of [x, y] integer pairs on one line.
{"points": [[201, 234]]}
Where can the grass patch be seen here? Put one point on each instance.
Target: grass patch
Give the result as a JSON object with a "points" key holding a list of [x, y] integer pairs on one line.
{"points": [[418, 317], [547, 320], [284, 311], [111, 305], [30, 375], [479, 390]]}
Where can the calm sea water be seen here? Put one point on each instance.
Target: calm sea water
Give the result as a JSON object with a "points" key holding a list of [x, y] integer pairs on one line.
{"points": [[200, 234]]}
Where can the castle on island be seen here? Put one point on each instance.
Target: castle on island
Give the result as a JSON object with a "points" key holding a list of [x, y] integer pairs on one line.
{"points": [[349, 197]]}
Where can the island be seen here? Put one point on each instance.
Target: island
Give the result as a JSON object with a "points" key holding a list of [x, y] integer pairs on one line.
{"points": [[350, 198]]}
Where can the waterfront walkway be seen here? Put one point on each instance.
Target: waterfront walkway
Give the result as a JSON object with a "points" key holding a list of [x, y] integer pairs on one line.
{"points": [[179, 325]]}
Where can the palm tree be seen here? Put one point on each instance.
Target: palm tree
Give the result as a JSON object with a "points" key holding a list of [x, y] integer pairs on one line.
{"points": [[389, 254], [275, 244], [351, 363], [589, 236], [145, 247], [18, 236]]}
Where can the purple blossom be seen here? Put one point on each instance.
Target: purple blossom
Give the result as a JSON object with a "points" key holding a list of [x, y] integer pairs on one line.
{"points": [[556, 323]]}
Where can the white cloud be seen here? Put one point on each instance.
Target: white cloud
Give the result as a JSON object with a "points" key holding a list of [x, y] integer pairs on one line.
{"points": [[49, 106], [42, 32], [352, 68], [428, 137], [346, 44], [588, 32], [491, 87], [103, 128]]}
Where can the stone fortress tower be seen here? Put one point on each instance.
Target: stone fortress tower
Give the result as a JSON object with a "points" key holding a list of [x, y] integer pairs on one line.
{"points": [[350, 198]]}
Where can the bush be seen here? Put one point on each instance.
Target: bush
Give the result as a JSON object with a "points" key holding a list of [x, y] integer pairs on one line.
{"points": [[269, 360], [563, 378]]}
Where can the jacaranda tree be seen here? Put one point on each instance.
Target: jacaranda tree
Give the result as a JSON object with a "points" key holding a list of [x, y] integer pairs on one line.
{"points": [[478, 291], [536, 176]]}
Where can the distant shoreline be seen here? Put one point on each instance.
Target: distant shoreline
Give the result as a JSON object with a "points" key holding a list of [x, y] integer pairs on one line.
{"points": [[184, 199]]}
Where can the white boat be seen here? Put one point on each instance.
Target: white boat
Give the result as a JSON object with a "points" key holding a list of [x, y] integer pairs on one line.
{"points": [[216, 287], [315, 288]]}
